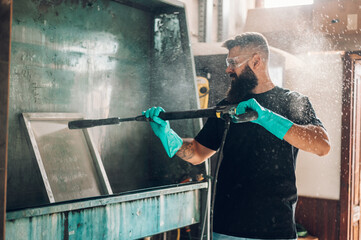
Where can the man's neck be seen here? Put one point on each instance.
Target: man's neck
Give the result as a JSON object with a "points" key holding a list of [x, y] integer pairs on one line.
{"points": [[263, 87]]}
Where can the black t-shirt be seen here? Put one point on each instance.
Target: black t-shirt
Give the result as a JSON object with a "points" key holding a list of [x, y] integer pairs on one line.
{"points": [[256, 190]]}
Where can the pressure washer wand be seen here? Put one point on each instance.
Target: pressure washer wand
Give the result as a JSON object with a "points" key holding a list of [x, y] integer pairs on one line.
{"points": [[217, 112]]}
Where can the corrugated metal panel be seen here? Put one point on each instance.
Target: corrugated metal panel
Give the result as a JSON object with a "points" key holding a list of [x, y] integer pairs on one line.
{"points": [[130, 216]]}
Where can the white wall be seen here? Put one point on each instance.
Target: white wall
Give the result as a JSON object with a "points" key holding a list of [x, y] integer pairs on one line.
{"points": [[237, 17], [191, 7], [321, 80]]}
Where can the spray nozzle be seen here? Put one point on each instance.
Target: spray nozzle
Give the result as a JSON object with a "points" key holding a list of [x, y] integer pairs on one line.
{"points": [[249, 115]]}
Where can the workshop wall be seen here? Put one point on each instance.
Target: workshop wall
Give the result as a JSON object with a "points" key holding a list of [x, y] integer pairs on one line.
{"points": [[320, 176]]}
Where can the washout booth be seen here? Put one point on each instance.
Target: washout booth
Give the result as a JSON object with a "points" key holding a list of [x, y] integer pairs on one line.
{"points": [[94, 59]]}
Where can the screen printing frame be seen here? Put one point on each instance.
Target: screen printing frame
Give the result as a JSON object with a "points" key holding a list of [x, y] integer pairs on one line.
{"points": [[91, 160]]}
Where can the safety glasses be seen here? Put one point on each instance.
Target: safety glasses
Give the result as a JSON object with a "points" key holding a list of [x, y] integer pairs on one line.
{"points": [[232, 62]]}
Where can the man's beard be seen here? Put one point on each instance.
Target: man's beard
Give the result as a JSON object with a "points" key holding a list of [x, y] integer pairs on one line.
{"points": [[242, 85]]}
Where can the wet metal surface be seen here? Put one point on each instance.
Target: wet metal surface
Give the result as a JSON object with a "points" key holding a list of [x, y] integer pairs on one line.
{"points": [[75, 58], [99, 58]]}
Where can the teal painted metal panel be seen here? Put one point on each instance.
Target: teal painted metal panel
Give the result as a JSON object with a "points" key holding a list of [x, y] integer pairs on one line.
{"points": [[131, 216], [41, 227]]}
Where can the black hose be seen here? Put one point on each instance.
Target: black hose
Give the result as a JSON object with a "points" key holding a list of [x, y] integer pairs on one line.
{"points": [[227, 122]]}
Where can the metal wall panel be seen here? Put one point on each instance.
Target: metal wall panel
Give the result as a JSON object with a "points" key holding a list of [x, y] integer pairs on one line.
{"points": [[99, 58], [86, 58], [174, 88]]}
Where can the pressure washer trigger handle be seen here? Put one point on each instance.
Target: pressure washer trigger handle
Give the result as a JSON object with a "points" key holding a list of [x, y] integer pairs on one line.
{"points": [[248, 116]]}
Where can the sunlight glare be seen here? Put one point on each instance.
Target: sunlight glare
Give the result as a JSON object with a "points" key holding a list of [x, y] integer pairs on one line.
{"points": [[285, 3]]}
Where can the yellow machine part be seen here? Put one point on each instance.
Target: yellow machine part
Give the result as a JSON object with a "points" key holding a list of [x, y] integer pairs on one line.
{"points": [[203, 91]]}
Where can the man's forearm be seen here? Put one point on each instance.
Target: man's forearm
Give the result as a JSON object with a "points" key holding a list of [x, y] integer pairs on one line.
{"points": [[193, 152], [309, 138], [187, 150]]}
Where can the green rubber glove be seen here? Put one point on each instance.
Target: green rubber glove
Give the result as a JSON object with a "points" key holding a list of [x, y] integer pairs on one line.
{"points": [[170, 139], [274, 123]]}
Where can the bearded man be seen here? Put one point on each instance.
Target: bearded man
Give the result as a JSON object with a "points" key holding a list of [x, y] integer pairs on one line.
{"points": [[256, 191]]}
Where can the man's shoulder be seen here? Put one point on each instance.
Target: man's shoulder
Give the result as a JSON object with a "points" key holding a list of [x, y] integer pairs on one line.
{"points": [[291, 95], [299, 108]]}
